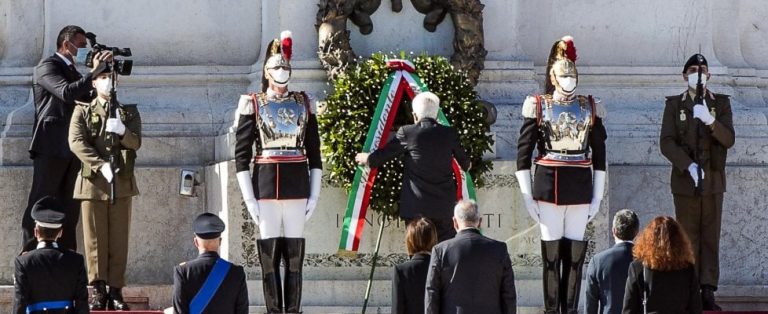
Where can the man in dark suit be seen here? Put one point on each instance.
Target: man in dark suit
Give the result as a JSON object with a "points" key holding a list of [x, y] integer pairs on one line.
{"points": [[209, 284], [49, 276], [429, 188], [470, 273], [56, 86], [607, 271]]}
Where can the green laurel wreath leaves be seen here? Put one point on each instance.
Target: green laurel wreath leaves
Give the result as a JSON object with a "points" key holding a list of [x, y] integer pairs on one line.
{"points": [[349, 109]]}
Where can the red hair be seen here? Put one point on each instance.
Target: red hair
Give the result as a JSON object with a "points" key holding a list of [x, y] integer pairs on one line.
{"points": [[663, 245]]}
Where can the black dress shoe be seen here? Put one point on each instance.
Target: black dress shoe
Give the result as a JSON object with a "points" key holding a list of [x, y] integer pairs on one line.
{"points": [[99, 297], [708, 299], [116, 302]]}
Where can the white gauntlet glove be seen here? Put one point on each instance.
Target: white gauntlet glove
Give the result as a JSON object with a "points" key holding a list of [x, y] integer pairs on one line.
{"points": [[115, 126], [700, 112], [598, 189], [692, 170], [106, 171], [246, 188], [524, 180], [315, 181]]}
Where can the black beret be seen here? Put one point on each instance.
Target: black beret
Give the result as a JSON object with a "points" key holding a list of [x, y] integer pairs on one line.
{"points": [[693, 60], [208, 226], [48, 213]]}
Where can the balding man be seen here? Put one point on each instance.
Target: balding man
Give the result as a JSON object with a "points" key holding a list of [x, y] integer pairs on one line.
{"points": [[429, 188], [470, 273]]}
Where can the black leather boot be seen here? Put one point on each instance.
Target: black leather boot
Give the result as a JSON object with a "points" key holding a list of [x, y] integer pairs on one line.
{"points": [[550, 253], [270, 252], [99, 297], [116, 302], [293, 254], [573, 262], [708, 298]]}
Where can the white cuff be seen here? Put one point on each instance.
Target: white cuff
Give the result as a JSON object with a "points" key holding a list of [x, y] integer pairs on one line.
{"points": [[246, 185], [524, 180], [598, 184], [315, 181]]}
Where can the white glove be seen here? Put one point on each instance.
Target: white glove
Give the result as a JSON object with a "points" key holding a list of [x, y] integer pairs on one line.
{"points": [[524, 179], [315, 181], [115, 126], [106, 171], [598, 189], [700, 112], [694, 174], [246, 188]]}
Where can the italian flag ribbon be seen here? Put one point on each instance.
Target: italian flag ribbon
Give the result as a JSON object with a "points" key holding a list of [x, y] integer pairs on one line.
{"points": [[401, 80]]}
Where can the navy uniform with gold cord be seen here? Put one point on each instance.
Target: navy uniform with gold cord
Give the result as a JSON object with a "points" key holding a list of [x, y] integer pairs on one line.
{"points": [[710, 126], [569, 181], [228, 292], [49, 279], [283, 190]]}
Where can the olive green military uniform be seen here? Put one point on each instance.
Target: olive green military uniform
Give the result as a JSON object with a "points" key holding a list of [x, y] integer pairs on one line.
{"points": [[700, 215], [105, 226]]}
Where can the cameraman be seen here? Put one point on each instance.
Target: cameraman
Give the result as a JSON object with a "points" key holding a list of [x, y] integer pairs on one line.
{"points": [[56, 86]]}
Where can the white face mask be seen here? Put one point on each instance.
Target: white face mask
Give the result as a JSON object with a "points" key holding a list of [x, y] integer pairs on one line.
{"points": [[693, 78], [568, 84], [280, 77], [103, 86]]}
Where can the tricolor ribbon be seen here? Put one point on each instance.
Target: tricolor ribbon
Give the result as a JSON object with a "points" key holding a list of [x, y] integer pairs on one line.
{"points": [[401, 79]]}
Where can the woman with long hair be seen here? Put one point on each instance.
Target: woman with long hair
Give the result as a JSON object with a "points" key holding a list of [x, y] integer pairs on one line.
{"points": [[410, 277], [663, 273]]}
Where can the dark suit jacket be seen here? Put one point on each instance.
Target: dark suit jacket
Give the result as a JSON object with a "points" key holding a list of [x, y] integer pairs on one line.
{"points": [[606, 279], [408, 282], [672, 292], [470, 274], [429, 188], [50, 274], [188, 278], [56, 87]]}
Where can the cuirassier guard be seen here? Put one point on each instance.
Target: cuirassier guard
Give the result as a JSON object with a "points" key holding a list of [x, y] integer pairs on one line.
{"points": [[282, 193], [568, 184]]}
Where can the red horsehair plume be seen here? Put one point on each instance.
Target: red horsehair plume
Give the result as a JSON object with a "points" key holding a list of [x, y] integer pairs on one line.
{"points": [[570, 49], [286, 45]]}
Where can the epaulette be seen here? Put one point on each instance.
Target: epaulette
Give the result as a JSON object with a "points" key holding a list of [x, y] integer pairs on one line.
{"points": [[82, 103], [529, 107], [600, 110], [182, 263], [245, 105], [721, 95]]}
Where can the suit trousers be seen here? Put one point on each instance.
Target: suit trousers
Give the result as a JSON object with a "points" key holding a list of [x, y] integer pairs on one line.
{"points": [[105, 236], [288, 215], [563, 221], [54, 177], [701, 216]]}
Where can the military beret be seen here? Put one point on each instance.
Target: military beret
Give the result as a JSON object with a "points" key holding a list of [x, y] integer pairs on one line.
{"points": [[208, 226], [48, 213], [693, 60]]}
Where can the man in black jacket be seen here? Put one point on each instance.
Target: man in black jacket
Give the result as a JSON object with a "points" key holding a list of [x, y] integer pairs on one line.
{"points": [[607, 271], [429, 188], [470, 273], [56, 86], [49, 276], [209, 284]]}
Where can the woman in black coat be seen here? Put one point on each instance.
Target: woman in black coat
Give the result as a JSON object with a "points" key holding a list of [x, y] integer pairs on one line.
{"points": [[410, 278], [663, 268]]}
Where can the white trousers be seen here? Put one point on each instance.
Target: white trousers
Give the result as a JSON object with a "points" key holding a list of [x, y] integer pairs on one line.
{"points": [[563, 221], [282, 215]]}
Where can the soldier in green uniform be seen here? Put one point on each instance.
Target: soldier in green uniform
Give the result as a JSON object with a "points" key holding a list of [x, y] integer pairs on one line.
{"points": [[695, 136], [95, 135]]}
